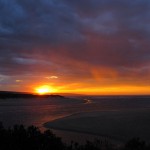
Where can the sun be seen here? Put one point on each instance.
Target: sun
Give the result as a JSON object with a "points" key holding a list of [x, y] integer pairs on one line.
{"points": [[45, 89]]}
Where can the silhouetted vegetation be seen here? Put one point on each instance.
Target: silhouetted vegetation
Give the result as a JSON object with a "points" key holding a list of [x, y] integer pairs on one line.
{"points": [[21, 138], [7, 94]]}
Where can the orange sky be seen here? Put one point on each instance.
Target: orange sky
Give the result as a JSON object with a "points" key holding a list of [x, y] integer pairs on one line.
{"points": [[98, 48], [93, 87]]}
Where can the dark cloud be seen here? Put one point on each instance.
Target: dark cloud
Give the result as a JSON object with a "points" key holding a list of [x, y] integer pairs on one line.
{"points": [[77, 38]]}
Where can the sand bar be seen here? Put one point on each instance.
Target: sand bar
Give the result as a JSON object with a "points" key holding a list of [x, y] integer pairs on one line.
{"points": [[121, 125]]}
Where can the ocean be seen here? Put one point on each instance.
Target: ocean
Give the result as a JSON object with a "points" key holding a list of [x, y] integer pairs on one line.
{"points": [[39, 111]]}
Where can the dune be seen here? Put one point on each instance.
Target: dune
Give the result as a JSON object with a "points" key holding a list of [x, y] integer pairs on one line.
{"points": [[119, 125]]}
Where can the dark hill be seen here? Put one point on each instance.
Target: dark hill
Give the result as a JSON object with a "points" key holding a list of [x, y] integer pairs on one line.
{"points": [[9, 94]]}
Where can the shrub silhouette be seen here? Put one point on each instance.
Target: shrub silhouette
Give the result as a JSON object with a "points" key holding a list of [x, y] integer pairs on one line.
{"points": [[21, 138]]}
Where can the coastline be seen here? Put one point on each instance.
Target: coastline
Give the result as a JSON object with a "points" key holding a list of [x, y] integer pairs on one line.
{"points": [[93, 135], [116, 125]]}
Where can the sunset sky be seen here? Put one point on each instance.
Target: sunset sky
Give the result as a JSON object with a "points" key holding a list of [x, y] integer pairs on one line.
{"points": [[75, 46]]}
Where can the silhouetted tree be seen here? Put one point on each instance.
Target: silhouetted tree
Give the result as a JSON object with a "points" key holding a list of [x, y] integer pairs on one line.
{"points": [[21, 138]]}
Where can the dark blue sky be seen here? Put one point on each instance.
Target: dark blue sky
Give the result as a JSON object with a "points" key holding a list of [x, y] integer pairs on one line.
{"points": [[85, 43]]}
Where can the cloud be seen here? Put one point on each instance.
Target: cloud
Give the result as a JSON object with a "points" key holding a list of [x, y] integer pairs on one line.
{"points": [[76, 40], [52, 77]]}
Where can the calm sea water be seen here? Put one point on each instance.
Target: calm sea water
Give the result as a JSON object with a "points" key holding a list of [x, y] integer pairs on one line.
{"points": [[38, 111]]}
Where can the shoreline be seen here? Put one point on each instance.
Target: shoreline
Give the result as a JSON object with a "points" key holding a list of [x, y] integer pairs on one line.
{"points": [[79, 114], [99, 136], [115, 125]]}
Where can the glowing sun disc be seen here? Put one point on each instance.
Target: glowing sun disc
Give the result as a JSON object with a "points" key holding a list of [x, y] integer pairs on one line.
{"points": [[43, 90]]}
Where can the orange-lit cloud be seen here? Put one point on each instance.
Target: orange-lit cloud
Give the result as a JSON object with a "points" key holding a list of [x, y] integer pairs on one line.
{"points": [[52, 77], [97, 48]]}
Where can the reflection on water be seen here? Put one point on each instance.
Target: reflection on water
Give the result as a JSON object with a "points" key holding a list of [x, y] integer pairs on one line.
{"points": [[88, 101], [35, 111], [38, 111]]}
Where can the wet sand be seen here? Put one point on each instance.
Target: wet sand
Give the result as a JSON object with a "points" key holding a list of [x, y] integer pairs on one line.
{"points": [[119, 125]]}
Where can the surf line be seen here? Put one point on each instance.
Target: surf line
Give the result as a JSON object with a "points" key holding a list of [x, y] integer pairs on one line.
{"points": [[88, 101]]}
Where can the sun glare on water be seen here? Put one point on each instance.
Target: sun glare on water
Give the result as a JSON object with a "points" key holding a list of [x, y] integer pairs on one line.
{"points": [[45, 89]]}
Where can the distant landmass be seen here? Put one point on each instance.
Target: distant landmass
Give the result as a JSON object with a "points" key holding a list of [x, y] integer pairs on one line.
{"points": [[10, 94]]}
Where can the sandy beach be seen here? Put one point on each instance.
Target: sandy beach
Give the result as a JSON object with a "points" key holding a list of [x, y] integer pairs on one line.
{"points": [[121, 125]]}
